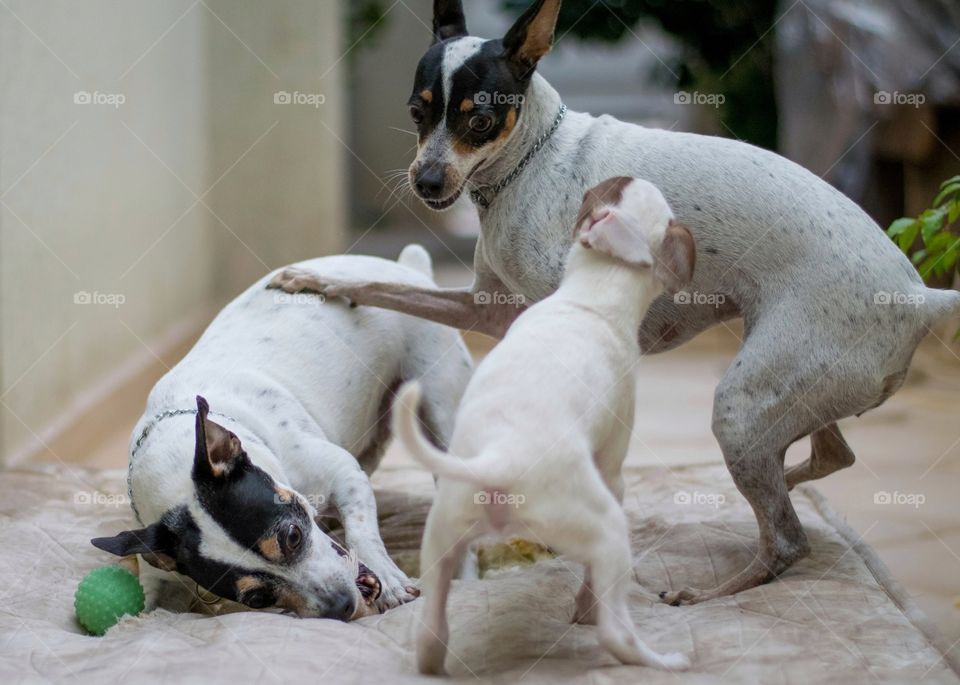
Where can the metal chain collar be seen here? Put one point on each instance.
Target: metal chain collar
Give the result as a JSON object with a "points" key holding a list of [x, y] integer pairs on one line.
{"points": [[143, 436], [483, 199]]}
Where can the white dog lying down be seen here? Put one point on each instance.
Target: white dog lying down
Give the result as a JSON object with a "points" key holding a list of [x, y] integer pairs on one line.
{"points": [[544, 424]]}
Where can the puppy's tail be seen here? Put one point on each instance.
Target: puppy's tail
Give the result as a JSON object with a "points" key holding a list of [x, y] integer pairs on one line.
{"points": [[416, 257], [483, 470]]}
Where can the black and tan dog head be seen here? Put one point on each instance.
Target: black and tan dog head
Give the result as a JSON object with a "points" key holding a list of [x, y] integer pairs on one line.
{"points": [[244, 537], [468, 96]]}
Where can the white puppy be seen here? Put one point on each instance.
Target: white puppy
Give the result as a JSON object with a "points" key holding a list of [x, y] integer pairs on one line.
{"points": [[544, 424]]}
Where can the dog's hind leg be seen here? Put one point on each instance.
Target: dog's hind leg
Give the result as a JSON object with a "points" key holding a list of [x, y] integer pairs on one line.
{"points": [[829, 452], [443, 545], [757, 414], [610, 578], [598, 537]]}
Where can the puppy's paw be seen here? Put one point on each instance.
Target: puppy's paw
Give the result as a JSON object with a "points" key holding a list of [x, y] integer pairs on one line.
{"points": [[674, 661], [687, 595]]}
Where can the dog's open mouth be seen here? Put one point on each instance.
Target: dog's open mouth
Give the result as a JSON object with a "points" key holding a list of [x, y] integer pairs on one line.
{"points": [[438, 205], [368, 584]]}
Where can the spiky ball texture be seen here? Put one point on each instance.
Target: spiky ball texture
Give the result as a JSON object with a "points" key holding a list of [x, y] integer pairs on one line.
{"points": [[105, 595]]}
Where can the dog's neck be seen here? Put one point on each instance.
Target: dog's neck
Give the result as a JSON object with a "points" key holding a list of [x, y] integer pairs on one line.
{"points": [[171, 445], [599, 283], [540, 106]]}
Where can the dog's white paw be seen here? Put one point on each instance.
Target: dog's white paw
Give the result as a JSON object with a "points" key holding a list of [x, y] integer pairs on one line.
{"points": [[395, 587]]}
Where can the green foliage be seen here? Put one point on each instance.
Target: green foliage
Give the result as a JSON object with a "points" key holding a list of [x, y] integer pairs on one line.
{"points": [[941, 248], [729, 49]]}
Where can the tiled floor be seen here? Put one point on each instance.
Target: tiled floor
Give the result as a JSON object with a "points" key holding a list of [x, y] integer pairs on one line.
{"points": [[909, 448]]}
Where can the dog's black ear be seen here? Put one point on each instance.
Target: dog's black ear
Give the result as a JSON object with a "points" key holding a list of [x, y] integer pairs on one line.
{"points": [[448, 20], [531, 37], [156, 543], [218, 451]]}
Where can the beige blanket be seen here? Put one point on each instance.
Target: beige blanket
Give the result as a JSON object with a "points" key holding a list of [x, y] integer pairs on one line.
{"points": [[836, 617]]}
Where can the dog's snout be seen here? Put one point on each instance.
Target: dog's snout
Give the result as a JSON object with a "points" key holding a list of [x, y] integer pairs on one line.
{"points": [[342, 607], [429, 181]]}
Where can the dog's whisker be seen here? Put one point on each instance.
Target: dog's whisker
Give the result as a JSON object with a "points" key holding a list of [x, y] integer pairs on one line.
{"points": [[403, 130]]}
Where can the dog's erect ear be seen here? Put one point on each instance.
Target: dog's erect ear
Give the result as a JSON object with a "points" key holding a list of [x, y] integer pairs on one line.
{"points": [[531, 37], [448, 20], [156, 543], [218, 451], [676, 257], [620, 239]]}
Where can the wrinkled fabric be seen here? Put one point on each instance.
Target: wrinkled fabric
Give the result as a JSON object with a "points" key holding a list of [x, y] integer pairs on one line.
{"points": [[835, 617]]}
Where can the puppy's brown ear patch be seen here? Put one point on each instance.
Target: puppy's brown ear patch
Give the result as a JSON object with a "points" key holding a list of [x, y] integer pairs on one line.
{"points": [[676, 258], [605, 193], [217, 449], [531, 37]]}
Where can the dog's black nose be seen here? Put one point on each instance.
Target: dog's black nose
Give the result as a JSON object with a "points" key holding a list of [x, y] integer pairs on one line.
{"points": [[343, 607], [429, 182]]}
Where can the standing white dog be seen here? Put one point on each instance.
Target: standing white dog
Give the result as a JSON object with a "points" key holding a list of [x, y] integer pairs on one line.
{"points": [[547, 419]]}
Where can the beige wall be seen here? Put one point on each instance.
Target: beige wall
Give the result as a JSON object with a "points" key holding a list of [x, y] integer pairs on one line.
{"points": [[103, 199]]}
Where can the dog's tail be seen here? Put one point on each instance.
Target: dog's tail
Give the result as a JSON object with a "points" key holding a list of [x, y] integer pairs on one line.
{"points": [[485, 470], [417, 258], [940, 304]]}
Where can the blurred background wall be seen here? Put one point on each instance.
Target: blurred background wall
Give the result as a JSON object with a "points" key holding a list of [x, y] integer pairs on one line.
{"points": [[155, 157]]}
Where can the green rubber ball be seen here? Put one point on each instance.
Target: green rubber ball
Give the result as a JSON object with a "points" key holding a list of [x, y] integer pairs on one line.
{"points": [[105, 595]]}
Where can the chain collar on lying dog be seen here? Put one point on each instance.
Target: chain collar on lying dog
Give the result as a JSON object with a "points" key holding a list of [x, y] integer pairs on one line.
{"points": [[143, 436], [482, 197]]}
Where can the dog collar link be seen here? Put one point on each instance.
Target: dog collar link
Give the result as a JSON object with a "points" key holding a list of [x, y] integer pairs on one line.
{"points": [[143, 436], [483, 198]]}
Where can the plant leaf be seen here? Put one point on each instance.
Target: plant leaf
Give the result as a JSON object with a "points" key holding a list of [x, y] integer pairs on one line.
{"points": [[899, 226], [942, 242], [906, 238], [928, 265], [931, 221], [947, 191]]}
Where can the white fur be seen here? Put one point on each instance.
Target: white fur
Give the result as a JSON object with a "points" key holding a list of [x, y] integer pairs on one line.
{"points": [[301, 381], [541, 435]]}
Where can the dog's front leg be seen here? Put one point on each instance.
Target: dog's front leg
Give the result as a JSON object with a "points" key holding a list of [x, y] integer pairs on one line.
{"points": [[472, 309], [353, 498]]}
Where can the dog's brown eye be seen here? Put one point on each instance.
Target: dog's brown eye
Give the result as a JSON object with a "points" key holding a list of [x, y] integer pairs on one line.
{"points": [[294, 537], [417, 115], [480, 123]]}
